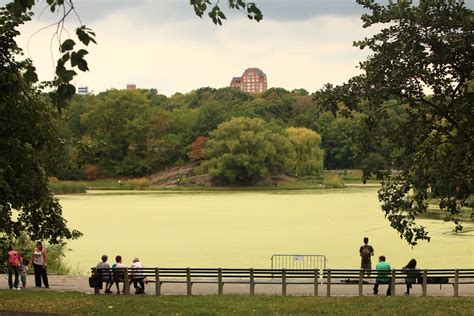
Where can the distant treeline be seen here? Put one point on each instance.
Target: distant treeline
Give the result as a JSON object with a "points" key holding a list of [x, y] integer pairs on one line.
{"points": [[121, 133]]}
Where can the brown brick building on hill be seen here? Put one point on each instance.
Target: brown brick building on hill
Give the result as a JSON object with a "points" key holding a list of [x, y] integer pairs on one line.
{"points": [[252, 80]]}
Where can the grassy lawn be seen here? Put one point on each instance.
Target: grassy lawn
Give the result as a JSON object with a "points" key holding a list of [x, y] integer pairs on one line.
{"points": [[79, 304]]}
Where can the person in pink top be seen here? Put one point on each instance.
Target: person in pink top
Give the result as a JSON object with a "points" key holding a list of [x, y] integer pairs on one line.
{"points": [[13, 268]]}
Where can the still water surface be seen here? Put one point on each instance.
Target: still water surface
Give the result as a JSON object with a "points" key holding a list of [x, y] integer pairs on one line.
{"points": [[243, 229]]}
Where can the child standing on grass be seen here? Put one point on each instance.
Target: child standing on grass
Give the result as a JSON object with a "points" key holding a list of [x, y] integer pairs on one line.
{"points": [[24, 271]]}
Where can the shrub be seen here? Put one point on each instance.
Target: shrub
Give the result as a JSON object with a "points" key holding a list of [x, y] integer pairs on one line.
{"points": [[245, 150], [67, 187], [309, 155], [137, 184], [92, 172], [53, 179], [196, 148], [333, 182]]}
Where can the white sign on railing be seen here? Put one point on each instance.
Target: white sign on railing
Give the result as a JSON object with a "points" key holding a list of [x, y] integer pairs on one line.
{"points": [[298, 258]]}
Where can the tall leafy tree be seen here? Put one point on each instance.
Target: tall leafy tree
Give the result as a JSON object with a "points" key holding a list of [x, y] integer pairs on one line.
{"points": [[309, 155], [421, 59], [118, 123], [244, 150], [26, 204]]}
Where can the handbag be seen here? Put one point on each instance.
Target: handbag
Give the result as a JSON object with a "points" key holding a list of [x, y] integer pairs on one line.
{"points": [[95, 282]]}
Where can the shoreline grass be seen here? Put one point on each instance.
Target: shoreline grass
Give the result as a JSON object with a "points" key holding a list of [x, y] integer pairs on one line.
{"points": [[74, 303], [67, 187], [113, 184]]}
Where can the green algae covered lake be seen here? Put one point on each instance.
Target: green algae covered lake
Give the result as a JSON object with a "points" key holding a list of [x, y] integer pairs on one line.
{"points": [[244, 229]]}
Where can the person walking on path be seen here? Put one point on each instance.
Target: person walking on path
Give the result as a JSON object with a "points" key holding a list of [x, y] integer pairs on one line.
{"points": [[103, 268], [38, 260], [137, 276], [366, 252], [383, 270], [412, 273], [13, 268]]}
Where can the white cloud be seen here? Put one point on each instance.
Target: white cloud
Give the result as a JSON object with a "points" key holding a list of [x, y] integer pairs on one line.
{"points": [[188, 54]]}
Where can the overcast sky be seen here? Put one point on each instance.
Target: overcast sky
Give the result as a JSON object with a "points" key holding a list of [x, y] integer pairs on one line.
{"points": [[162, 44]]}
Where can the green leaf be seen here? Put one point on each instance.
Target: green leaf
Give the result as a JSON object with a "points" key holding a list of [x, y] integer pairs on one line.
{"points": [[85, 35], [30, 75], [66, 90], [65, 75], [82, 65], [67, 45], [65, 57], [78, 60]]}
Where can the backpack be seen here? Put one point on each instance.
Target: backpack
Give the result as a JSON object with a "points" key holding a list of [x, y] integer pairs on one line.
{"points": [[13, 259]]}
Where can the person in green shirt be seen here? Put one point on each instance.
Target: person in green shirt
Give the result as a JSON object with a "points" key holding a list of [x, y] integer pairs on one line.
{"points": [[383, 272]]}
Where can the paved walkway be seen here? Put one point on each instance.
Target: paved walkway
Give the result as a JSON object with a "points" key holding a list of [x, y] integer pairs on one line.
{"points": [[81, 284]]}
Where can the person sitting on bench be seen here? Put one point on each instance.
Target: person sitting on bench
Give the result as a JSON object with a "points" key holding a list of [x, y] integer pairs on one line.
{"points": [[103, 269], [412, 274], [383, 269], [137, 276], [117, 273]]}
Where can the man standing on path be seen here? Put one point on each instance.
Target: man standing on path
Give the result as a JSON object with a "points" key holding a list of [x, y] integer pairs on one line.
{"points": [[383, 269], [366, 252], [13, 268]]}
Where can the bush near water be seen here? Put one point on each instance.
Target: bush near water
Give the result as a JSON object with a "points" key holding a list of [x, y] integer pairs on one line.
{"points": [[65, 187]]}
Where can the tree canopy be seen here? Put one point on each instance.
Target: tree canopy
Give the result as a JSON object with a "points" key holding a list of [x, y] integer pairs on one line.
{"points": [[308, 152], [420, 61], [26, 204], [246, 149]]}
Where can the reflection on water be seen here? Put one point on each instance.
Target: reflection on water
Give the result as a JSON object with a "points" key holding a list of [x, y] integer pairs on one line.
{"points": [[244, 229]]}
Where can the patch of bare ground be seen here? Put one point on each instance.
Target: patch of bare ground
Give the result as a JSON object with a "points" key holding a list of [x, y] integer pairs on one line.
{"points": [[180, 175], [185, 175]]}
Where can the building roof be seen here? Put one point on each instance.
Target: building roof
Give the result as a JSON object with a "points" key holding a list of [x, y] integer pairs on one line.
{"points": [[257, 70]]}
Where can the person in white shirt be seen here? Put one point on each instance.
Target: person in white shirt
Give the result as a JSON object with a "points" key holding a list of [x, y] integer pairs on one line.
{"points": [[138, 276], [117, 272], [38, 260]]}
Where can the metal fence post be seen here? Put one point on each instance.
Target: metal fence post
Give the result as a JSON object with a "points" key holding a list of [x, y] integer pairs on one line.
{"points": [[252, 282], [126, 282], [220, 285], [316, 282], [157, 282], [361, 273], [189, 285], [425, 282], [283, 282], [456, 282], [328, 280], [392, 284]]}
